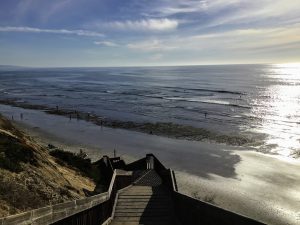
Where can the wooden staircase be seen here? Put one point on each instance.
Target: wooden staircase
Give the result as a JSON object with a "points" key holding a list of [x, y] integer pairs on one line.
{"points": [[146, 202]]}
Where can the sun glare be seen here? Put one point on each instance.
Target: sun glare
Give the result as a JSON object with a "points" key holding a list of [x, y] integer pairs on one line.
{"points": [[281, 121]]}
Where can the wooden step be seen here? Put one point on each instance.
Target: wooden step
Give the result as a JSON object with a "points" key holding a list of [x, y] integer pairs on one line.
{"points": [[152, 214], [130, 210], [146, 203], [164, 219], [149, 197], [137, 223]]}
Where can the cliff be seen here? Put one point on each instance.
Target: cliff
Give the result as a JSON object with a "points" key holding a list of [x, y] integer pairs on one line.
{"points": [[30, 177]]}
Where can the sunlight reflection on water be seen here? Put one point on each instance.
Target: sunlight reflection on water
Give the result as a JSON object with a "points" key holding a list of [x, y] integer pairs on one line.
{"points": [[281, 111], [251, 105]]}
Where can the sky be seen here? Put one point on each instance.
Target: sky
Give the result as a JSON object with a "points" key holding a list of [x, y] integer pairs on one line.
{"points": [[62, 33]]}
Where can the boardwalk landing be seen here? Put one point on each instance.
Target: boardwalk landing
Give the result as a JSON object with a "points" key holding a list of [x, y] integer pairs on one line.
{"points": [[146, 202], [151, 199]]}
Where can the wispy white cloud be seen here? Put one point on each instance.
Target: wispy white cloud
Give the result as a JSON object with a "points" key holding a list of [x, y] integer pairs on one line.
{"points": [[106, 43], [226, 12], [273, 13], [42, 11], [167, 30], [241, 41], [171, 7], [55, 8], [159, 25], [52, 31], [246, 39], [151, 45]]}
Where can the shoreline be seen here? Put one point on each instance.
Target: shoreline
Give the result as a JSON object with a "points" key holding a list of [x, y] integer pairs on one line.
{"points": [[257, 185], [165, 129]]}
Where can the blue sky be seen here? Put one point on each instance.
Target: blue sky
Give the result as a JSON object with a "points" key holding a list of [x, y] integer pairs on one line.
{"points": [[143, 32]]}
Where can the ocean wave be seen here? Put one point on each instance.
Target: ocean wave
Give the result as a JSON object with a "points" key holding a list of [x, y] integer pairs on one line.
{"points": [[207, 90], [207, 101], [219, 102], [110, 92], [176, 99], [152, 96]]}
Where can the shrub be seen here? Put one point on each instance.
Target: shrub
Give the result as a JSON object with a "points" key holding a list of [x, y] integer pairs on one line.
{"points": [[78, 161], [13, 153], [18, 196]]}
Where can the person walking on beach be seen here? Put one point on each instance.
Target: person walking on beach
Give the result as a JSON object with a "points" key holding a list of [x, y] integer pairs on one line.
{"points": [[205, 114], [21, 116]]}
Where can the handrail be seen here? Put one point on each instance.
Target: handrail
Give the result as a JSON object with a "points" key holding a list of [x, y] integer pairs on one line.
{"points": [[173, 179], [112, 182], [58, 213], [98, 209], [109, 164], [53, 213]]}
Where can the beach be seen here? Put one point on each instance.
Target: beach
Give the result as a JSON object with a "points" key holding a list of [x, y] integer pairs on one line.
{"points": [[210, 88], [261, 186]]}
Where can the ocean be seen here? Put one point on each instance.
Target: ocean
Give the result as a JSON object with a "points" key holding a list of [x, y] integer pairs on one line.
{"points": [[260, 102]]}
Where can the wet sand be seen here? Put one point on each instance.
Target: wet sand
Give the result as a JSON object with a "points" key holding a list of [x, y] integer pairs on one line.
{"points": [[166, 129], [257, 185]]}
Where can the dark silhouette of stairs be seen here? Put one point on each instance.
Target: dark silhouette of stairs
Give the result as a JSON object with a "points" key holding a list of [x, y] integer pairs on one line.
{"points": [[147, 202]]}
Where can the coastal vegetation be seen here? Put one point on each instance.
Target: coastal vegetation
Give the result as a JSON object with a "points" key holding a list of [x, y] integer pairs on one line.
{"points": [[30, 177], [78, 161], [13, 153]]}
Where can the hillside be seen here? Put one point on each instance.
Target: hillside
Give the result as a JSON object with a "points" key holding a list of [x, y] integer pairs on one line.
{"points": [[30, 177]]}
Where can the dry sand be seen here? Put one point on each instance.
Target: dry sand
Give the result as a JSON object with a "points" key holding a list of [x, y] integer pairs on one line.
{"points": [[266, 188], [257, 185]]}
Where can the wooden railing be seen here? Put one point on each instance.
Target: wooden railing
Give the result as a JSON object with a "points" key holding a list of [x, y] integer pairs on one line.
{"points": [[98, 209], [102, 212], [94, 210]]}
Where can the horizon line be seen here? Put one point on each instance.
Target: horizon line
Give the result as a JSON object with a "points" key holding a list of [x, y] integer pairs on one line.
{"points": [[137, 66]]}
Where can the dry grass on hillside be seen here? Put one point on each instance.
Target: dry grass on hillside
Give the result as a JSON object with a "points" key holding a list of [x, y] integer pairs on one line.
{"points": [[30, 177]]}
